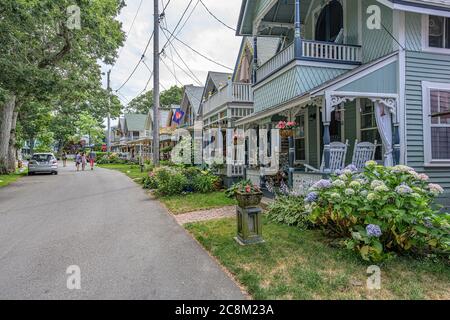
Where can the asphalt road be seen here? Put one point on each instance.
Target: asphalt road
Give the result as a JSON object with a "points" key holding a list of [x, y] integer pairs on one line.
{"points": [[125, 244]]}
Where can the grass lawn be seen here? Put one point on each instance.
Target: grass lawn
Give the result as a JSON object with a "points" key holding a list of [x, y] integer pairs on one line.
{"points": [[295, 264], [6, 179], [132, 171], [194, 202]]}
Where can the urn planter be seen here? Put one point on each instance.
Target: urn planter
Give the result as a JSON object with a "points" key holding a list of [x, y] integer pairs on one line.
{"points": [[248, 214], [246, 200]]}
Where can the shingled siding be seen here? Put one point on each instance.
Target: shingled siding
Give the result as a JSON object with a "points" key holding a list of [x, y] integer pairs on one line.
{"points": [[422, 66], [291, 84]]}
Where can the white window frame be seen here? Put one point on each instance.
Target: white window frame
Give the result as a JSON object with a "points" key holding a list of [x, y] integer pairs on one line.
{"points": [[426, 37], [426, 99]]}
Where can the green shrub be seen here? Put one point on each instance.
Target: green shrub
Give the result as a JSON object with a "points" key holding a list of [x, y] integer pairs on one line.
{"points": [[381, 211], [289, 210], [150, 182], [170, 181], [205, 182]]}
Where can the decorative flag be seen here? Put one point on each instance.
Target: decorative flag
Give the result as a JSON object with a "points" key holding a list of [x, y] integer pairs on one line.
{"points": [[178, 115]]}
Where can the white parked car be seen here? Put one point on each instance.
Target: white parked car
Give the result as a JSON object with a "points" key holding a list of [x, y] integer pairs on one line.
{"points": [[43, 163]]}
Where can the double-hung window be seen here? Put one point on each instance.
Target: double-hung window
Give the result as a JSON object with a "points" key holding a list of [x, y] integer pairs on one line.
{"points": [[436, 118], [436, 34]]}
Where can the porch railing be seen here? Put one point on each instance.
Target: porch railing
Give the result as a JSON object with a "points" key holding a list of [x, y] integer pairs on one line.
{"points": [[331, 51], [235, 170], [281, 59], [232, 92], [312, 50]]}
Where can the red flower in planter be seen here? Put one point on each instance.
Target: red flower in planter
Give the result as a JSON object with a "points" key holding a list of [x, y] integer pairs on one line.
{"points": [[248, 189]]}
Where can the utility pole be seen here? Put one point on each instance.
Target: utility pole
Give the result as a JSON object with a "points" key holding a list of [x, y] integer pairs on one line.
{"points": [[108, 138], [156, 84]]}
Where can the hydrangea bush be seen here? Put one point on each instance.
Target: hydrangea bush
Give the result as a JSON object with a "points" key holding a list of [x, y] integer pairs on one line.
{"points": [[381, 211]]}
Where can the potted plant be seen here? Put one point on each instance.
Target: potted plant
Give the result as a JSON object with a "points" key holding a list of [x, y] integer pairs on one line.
{"points": [[247, 195], [286, 128]]}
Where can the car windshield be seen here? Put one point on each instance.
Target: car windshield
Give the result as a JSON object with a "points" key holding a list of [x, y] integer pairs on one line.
{"points": [[41, 157]]}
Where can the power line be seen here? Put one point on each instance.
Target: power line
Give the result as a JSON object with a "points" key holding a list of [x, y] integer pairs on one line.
{"points": [[129, 31], [194, 77], [215, 17], [165, 7], [189, 17], [139, 62], [199, 53], [179, 21], [167, 67]]}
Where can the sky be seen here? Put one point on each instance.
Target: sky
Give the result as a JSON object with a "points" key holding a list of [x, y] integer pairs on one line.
{"points": [[202, 32]]}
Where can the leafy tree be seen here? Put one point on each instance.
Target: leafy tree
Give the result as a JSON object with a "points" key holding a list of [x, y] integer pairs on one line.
{"points": [[171, 96], [89, 126], [141, 104], [144, 103], [40, 54]]}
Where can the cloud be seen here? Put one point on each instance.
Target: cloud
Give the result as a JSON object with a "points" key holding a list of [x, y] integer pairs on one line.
{"points": [[201, 32]]}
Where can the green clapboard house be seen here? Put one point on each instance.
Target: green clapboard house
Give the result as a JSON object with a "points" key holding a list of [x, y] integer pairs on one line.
{"points": [[354, 70]]}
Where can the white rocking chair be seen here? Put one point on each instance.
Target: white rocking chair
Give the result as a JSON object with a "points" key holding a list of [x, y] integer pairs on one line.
{"points": [[338, 152], [363, 152]]}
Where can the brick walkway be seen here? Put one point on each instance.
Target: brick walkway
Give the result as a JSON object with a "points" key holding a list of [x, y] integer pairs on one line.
{"points": [[204, 215]]}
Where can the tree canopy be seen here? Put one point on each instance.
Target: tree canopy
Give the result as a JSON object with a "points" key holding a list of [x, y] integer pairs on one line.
{"points": [[49, 53], [144, 103]]}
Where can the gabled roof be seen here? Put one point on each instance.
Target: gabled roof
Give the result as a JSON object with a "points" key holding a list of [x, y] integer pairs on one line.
{"points": [[135, 122], [194, 96], [215, 80], [267, 48], [219, 78]]}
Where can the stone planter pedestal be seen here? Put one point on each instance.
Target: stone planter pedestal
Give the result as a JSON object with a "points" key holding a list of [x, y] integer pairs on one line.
{"points": [[249, 225]]}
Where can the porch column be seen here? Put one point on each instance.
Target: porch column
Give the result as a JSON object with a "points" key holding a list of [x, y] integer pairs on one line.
{"points": [[255, 59], [326, 146], [396, 141], [297, 36], [291, 161]]}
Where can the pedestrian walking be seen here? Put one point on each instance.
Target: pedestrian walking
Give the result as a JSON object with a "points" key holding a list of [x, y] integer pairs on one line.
{"points": [[64, 158], [78, 161], [83, 161], [92, 156]]}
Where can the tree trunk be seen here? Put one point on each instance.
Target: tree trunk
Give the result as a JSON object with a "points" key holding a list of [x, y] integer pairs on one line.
{"points": [[6, 116], [12, 151]]}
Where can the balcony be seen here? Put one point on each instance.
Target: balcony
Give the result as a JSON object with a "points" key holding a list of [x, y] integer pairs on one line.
{"points": [[230, 93], [312, 51]]}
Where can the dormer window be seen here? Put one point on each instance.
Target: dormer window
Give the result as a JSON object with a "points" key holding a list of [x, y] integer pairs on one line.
{"points": [[439, 32]]}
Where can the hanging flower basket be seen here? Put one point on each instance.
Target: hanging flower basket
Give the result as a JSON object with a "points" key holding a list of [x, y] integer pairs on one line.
{"points": [[286, 133], [286, 128]]}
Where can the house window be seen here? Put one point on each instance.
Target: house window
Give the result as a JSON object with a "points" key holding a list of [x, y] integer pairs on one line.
{"points": [[330, 22], [439, 32], [369, 128], [300, 139], [439, 101]]}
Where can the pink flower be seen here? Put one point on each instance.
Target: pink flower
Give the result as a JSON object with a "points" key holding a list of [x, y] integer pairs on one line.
{"points": [[291, 124], [423, 177], [248, 189], [281, 125]]}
